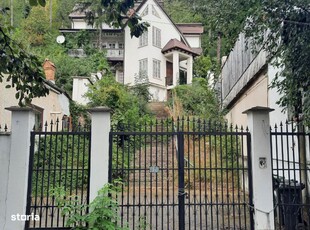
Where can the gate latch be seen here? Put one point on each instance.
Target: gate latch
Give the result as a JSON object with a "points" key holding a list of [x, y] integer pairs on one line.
{"points": [[182, 193]]}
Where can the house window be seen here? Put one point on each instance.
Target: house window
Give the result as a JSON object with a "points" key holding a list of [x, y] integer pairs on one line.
{"points": [[156, 68], [120, 45], [154, 12], [145, 11], [143, 67], [120, 77], [156, 37], [38, 118], [112, 45], [143, 39]]}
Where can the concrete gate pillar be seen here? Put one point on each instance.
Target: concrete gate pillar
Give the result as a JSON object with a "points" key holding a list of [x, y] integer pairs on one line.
{"points": [[258, 123], [23, 120], [99, 154]]}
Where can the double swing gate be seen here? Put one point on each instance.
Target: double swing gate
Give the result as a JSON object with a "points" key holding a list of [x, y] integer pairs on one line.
{"points": [[184, 174]]}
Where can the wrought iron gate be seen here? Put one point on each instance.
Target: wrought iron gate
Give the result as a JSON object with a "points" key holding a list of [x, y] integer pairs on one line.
{"points": [[59, 159], [184, 174]]}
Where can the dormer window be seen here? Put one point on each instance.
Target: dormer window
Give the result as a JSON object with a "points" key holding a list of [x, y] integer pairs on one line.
{"points": [[145, 11]]}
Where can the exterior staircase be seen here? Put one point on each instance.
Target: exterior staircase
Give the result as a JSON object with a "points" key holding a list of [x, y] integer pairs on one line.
{"points": [[159, 109]]}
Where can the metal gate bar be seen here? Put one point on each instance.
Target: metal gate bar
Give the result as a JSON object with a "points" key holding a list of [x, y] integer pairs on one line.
{"points": [[183, 175]]}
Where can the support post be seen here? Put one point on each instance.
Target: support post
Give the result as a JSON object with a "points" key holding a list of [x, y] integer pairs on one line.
{"points": [[23, 120], [189, 78], [176, 67], [258, 122], [99, 155]]}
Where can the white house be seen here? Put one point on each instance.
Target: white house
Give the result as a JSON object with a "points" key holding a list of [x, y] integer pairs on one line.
{"points": [[164, 53]]}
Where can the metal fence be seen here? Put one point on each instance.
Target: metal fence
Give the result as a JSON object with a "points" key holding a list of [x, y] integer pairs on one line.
{"points": [[59, 166], [184, 174], [290, 154]]}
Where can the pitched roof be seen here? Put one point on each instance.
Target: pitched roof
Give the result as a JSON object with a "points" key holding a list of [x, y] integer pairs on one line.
{"points": [[190, 28], [158, 3], [175, 44]]}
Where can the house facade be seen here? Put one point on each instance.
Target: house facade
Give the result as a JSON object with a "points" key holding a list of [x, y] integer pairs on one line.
{"points": [[53, 106], [163, 54], [245, 82]]}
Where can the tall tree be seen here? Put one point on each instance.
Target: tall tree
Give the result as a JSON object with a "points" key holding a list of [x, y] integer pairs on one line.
{"points": [[282, 28], [116, 13], [23, 70]]}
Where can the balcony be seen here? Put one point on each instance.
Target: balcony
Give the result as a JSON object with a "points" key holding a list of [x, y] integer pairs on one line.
{"points": [[77, 53], [169, 81], [115, 54]]}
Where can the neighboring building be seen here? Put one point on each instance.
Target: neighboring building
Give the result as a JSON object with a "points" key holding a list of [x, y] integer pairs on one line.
{"points": [[164, 53], [245, 81], [52, 106]]}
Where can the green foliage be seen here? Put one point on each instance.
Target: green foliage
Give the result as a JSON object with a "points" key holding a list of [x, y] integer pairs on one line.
{"points": [[287, 43], [37, 2], [78, 111], [66, 66], [35, 26], [104, 209], [128, 106], [116, 13], [198, 99], [181, 11], [56, 152], [203, 66], [19, 68]]}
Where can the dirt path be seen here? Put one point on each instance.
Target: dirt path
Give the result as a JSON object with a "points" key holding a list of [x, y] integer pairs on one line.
{"points": [[150, 197]]}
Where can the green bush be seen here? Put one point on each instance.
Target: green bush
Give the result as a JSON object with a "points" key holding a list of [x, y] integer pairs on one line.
{"points": [[59, 161], [101, 213], [198, 100], [127, 105]]}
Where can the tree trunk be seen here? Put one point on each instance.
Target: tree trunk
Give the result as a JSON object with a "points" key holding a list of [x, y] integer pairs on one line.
{"points": [[218, 50], [51, 13], [12, 13]]}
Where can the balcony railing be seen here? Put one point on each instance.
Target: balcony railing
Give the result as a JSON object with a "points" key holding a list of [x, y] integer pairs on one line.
{"points": [[169, 81], [115, 53], [77, 53]]}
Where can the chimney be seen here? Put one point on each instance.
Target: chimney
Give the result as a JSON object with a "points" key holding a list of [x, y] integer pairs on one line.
{"points": [[49, 70]]}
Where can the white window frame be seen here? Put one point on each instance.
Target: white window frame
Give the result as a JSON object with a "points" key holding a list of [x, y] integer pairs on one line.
{"points": [[143, 39], [156, 37], [143, 68], [156, 68]]}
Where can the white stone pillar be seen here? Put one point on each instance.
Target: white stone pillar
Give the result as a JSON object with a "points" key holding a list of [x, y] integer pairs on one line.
{"points": [[176, 67], [258, 122], [5, 146], [189, 78], [23, 120], [99, 155]]}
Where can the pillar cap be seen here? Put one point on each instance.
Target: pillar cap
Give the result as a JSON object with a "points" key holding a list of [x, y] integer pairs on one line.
{"points": [[18, 108], [258, 109], [99, 109]]}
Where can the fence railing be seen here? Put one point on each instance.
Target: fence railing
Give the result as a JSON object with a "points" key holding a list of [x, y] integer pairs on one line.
{"points": [[59, 161], [290, 154]]}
